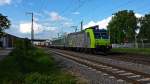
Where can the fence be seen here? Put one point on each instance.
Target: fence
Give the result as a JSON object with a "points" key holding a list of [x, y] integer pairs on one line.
{"points": [[131, 45]]}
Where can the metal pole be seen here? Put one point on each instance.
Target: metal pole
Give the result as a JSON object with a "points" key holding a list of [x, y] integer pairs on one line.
{"points": [[136, 45], [81, 25], [142, 43], [75, 28], [58, 35], [32, 30], [109, 32]]}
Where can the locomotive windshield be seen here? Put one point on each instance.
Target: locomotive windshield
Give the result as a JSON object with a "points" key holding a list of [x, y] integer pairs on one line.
{"points": [[101, 34]]}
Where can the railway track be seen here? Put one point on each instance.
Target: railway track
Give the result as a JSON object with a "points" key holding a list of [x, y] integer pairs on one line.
{"points": [[131, 76], [135, 59]]}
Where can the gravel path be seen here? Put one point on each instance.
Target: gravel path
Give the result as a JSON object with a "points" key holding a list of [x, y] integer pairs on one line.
{"points": [[94, 77]]}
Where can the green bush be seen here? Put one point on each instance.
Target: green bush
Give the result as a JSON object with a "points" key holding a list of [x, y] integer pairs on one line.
{"points": [[139, 51], [29, 65], [37, 78]]}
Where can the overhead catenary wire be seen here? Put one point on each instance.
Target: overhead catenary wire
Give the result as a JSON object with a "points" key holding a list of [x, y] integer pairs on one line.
{"points": [[81, 3], [43, 5], [112, 9], [84, 2], [73, 10]]}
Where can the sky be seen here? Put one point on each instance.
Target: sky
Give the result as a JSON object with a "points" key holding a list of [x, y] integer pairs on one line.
{"points": [[59, 16]]}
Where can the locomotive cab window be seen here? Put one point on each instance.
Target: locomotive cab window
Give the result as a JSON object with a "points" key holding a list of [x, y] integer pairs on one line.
{"points": [[100, 33], [104, 35]]}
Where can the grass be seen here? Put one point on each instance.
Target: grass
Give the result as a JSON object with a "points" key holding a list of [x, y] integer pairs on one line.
{"points": [[32, 66], [140, 51]]}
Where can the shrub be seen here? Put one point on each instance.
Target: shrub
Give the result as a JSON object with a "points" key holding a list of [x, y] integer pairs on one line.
{"points": [[30, 65]]}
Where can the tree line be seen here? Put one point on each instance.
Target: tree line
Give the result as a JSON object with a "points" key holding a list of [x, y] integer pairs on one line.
{"points": [[4, 24], [125, 27]]}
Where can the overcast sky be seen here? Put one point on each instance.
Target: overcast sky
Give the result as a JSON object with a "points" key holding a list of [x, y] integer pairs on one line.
{"points": [[56, 16]]}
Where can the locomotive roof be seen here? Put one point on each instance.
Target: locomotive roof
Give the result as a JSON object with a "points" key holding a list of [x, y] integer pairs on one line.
{"points": [[96, 27], [74, 33], [77, 32]]}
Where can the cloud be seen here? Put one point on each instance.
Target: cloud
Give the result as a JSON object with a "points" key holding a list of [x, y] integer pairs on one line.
{"points": [[10, 2], [38, 14], [51, 29], [55, 16], [103, 23], [57, 21], [36, 19], [67, 24], [26, 27], [138, 15], [4, 2], [76, 13], [91, 23]]}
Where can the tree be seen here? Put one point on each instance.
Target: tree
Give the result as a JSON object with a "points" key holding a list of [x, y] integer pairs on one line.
{"points": [[144, 27], [122, 26], [4, 24]]}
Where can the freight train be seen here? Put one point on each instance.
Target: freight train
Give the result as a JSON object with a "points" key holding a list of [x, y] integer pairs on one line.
{"points": [[91, 39]]}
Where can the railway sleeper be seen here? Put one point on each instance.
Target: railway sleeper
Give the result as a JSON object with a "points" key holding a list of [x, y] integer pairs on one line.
{"points": [[123, 76]]}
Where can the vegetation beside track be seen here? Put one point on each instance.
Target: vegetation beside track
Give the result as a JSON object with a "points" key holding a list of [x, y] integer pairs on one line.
{"points": [[29, 65], [137, 51]]}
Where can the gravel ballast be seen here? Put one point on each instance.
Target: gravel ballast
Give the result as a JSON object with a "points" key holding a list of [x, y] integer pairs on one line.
{"points": [[91, 75]]}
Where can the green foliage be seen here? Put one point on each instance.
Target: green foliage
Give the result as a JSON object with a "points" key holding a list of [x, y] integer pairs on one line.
{"points": [[140, 51], [4, 24], [37, 78], [122, 26], [23, 44], [28, 65], [145, 27]]}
